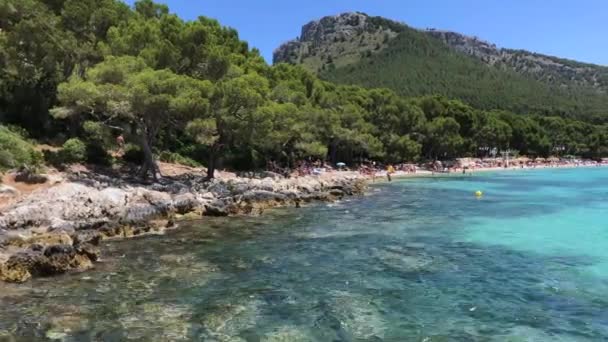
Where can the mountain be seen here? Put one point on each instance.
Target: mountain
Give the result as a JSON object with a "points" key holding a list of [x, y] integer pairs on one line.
{"points": [[548, 69], [339, 40], [354, 48]]}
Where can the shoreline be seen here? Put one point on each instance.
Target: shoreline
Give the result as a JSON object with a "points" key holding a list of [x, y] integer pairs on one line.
{"points": [[381, 176], [59, 229]]}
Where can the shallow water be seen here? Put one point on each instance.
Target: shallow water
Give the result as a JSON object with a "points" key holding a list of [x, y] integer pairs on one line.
{"points": [[415, 260]]}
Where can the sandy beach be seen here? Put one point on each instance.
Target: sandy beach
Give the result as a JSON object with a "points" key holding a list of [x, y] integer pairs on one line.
{"points": [[458, 172]]}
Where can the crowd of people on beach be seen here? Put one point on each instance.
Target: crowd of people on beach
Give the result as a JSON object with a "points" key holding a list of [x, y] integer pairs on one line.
{"points": [[521, 162], [373, 169]]}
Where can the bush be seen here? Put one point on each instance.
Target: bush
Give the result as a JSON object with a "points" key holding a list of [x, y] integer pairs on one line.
{"points": [[76, 151], [133, 154], [176, 158], [97, 133], [6, 159], [99, 142], [15, 151], [98, 155], [73, 151]]}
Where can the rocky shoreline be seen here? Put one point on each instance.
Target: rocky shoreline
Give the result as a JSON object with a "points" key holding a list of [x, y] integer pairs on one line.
{"points": [[59, 229]]}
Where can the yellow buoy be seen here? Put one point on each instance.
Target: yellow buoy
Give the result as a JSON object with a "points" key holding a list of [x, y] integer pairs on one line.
{"points": [[478, 193]]}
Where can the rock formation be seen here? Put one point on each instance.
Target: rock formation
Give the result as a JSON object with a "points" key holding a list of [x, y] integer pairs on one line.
{"points": [[336, 40], [59, 229]]}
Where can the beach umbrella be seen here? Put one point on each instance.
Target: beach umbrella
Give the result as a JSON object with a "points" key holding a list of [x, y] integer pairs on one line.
{"points": [[340, 164], [553, 159]]}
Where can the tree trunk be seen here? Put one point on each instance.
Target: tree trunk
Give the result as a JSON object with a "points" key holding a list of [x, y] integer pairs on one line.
{"points": [[214, 154], [211, 166], [149, 164], [333, 151]]}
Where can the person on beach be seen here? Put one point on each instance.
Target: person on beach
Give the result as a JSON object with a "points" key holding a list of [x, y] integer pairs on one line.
{"points": [[389, 170], [120, 141]]}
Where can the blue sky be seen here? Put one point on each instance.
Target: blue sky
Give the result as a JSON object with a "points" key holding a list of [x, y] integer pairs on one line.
{"points": [[565, 28]]}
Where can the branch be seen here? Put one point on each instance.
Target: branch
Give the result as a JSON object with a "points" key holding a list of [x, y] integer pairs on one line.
{"points": [[114, 127], [235, 111], [105, 122]]}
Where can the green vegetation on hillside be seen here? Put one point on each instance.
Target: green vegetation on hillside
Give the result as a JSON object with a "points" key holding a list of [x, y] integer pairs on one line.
{"points": [[416, 64], [558, 71], [80, 73], [16, 151]]}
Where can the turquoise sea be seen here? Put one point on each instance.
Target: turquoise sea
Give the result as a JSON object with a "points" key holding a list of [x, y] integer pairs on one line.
{"points": [[414, 260]]}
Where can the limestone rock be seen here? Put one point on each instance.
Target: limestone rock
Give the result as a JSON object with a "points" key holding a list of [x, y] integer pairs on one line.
{"points": [[337, 193], [263, 196], [6, 190], [188, 216], [52, 260], [89, 250], [58, 229], [184, 203], [216, 208], [60, 238], [14, 273]]}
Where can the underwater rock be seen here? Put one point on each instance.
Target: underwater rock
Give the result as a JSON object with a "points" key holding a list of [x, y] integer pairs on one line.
{"points": [[193, 215], [286, 334], [6, 336], [54, 259], [158, 319], [160, 224], [186, 269], [227, 320], [14, 273], [358, 316], [526, 333], [404, 259], [62, 258], [63, 325]]}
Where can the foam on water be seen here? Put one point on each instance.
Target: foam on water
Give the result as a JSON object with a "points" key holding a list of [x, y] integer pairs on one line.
{"points": [[418, 259]]}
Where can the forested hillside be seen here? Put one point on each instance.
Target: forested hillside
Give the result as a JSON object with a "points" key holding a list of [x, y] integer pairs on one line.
{"points": [[415, 63], [549, 69], [79, 73]]}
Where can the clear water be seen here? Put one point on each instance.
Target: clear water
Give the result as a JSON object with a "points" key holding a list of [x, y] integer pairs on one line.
{"points": [[415, 260]]}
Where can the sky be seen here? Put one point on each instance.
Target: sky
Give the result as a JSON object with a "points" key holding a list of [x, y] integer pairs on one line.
{"points": [[574, 29]]}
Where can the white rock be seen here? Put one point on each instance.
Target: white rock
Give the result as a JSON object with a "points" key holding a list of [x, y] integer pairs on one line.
{"points": [[8, 190]]}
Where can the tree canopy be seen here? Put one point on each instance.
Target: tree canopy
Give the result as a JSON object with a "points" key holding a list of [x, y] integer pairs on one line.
{"points": [[96, 69]]}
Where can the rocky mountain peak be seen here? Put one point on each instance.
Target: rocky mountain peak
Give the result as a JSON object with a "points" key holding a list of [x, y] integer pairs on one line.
{"points": [[336, 36], [338, 26]]}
